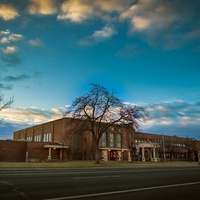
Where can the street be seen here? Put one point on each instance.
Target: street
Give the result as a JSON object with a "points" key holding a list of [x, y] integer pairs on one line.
{"points": [[100, 183]]}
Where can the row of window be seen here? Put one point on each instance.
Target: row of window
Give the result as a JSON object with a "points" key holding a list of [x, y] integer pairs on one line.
{"points": [[108, 140], [37, 138], [161, 142]]}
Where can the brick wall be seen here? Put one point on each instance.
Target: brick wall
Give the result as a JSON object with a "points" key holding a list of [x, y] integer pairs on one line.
{"points": [[12, 151]]}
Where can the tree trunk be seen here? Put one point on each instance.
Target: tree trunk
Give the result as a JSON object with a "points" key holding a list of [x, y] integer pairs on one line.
{"points": [[97, 160]]}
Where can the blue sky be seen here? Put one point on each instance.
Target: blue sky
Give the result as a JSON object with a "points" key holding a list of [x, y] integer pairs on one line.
{"points": [[147, 51]]}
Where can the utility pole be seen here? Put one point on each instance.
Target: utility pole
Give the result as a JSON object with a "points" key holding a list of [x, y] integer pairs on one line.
{"points": [[163, 141]]}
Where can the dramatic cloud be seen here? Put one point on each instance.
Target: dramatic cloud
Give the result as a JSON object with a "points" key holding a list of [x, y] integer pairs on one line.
{"points": [[8, 12], [42, 7], [171, 117], [31, 116], [163, 22], [81, 10], [99, 36], [19, 118]]}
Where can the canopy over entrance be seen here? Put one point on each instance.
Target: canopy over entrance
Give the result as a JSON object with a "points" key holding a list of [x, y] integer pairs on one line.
{"points": [[58, 147]]}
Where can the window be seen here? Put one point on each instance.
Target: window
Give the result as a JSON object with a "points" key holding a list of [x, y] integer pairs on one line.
{"points": [[119, 140], [37, 138], [29, 138], [47, 137], [104, 143], [111, 139]]}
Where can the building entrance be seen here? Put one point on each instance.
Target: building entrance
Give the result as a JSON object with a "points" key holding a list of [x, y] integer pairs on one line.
{"points": [[113, 155]]}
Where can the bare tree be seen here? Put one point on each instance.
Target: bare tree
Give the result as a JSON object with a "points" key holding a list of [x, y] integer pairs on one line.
{"points": [[4, 104], [100, 109]]}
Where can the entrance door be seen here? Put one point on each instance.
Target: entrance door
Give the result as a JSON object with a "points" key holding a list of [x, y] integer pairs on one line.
{"points": [[146, 154], [113, 155]]}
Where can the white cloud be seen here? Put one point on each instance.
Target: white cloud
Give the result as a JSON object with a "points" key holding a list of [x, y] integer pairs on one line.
{"points": [[31, 115], [36, 43], [75, 11], [171, 117], [8, 12], [10, 37], [4, 40], [43, 7], [4, 32], [162, 23], [81, 10], [107, 32], [9, 50], [151, 14], [15, 37], [99, 36]]}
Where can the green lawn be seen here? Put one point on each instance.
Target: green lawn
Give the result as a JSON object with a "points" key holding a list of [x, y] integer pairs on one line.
{"points": [[76, 164]]}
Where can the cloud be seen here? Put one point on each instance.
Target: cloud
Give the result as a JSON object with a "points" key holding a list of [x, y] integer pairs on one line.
{"points": [[4, 32], [21, 77], [171, 117], [31, 116], [8, 82], [164, 22], [15, 37], [19, 118], [99, 36], [35, 43], [9, 50], [11, 59], [8, 12], [129, 51], [9, 37], [42, 7], [81, 10], [5, 86], [10, 55], [16, 78]]}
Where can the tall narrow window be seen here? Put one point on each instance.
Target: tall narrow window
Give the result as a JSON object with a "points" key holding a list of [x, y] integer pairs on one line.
{"points": [[119, 140], [37, 138], [47, 137], [104, 144], [111, 139]]}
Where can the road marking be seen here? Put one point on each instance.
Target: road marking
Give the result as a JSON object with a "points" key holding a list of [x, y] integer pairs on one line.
{"points": [[15, 189], [95, 177], [125, 191]]}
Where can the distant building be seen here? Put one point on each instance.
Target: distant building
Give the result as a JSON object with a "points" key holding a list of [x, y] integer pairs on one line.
{"points": [[56, 140]]}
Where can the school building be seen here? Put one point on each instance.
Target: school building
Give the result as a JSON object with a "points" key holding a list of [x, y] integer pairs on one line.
{"points": [[56, 141]]}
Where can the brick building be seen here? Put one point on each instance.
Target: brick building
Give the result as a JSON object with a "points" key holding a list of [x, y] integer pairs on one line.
{"points": [[58, 140]]}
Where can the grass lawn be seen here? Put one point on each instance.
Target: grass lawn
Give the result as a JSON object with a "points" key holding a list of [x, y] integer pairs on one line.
{"points": [[77, 164]]}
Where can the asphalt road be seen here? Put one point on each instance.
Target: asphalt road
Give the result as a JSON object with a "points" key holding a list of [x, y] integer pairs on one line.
{"points": [[141, 183]]}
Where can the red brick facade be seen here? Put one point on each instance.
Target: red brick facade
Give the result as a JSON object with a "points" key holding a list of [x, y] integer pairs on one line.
{"points": [[56, 140], [12, 150]]}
